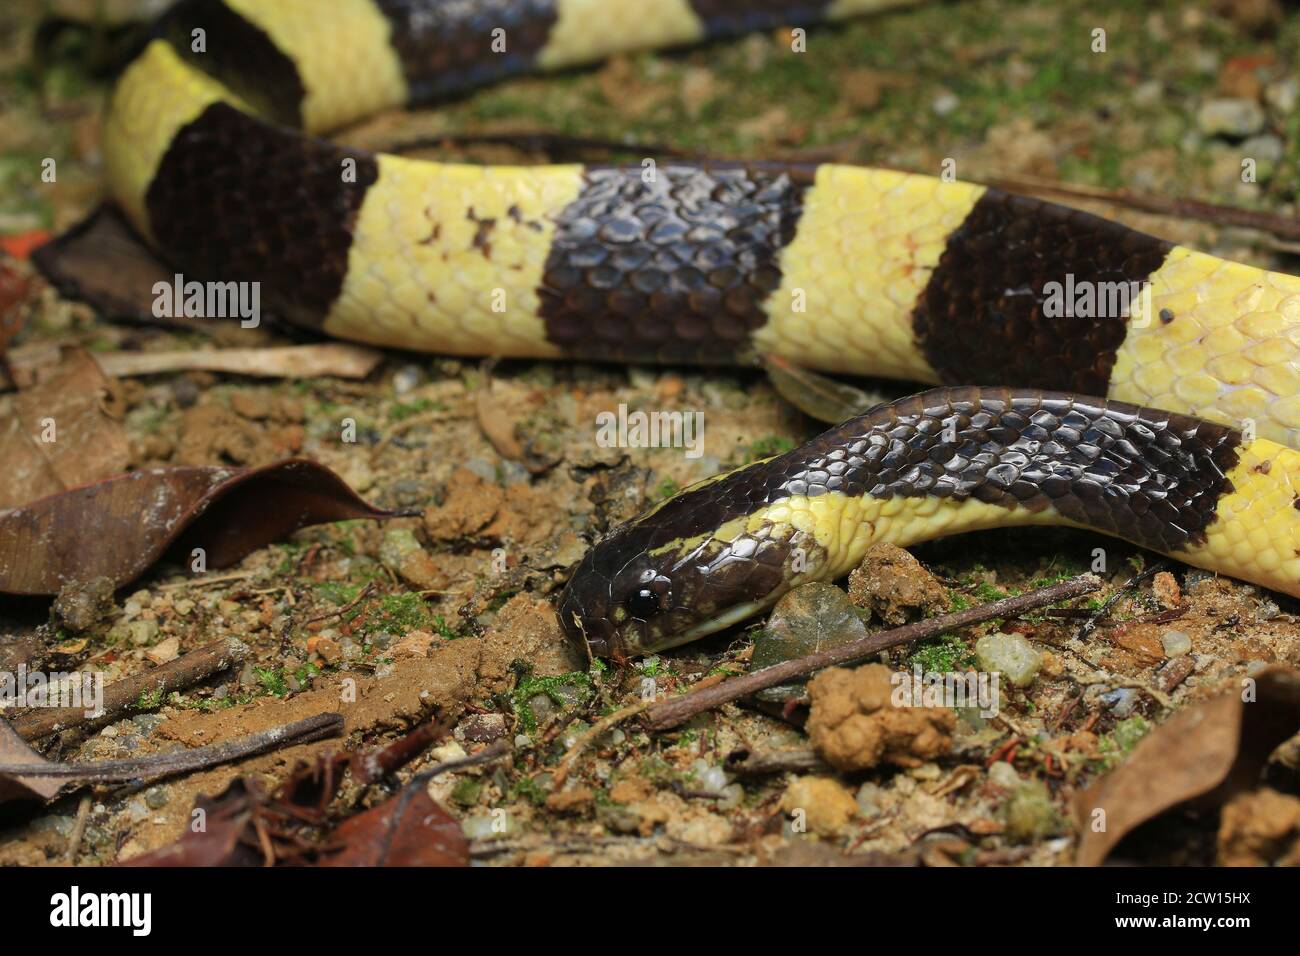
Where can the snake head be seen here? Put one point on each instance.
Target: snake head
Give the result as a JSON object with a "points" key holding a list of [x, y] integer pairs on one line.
{"points": [[696, 564]]}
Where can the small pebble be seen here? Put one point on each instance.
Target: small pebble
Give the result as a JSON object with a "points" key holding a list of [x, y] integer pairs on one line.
{"points": [[868, 798], [1267, 610], [407, 378], [944, 103], [812, 617], [1236, 118], [709, 778], [156, 797], [1004, 775], [1175, 643], [732, 795], [1011, 655], [485, 828], [147, 723], [1283, 96], [1121, 701]]}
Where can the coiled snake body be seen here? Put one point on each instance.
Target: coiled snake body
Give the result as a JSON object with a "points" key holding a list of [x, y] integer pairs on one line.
{"points": [[210, 153]]}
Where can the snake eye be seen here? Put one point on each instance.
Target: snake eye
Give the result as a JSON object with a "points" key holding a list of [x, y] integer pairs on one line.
{"points": [[644, 604]]}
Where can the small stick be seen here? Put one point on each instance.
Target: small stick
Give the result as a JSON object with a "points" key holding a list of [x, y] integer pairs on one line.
{"points": [[1090, 624], [1284, 227], [763, 762], [204, 582], [669, 713], [594, 731], [164, 765], [78, 828], [368, 590], [122, 696]]}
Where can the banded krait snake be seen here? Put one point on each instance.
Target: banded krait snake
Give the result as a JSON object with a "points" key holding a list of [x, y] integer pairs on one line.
{"points": [[212, 157]]}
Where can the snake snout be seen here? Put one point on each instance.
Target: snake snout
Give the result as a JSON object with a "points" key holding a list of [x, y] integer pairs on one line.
{"points": [[583, 612]]}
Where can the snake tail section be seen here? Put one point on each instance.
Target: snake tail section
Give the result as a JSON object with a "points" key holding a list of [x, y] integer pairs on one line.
{"points": [[945, 461], [212, 149]]}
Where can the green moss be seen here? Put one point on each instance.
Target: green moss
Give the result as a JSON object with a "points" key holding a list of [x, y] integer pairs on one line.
{"points": [[467, 791], [1029, 814], [941, 655], [149, 700], [400, 411], [391, 614], [666, 489], [338, 592], [767, 447], [525, 788], [650, 666], [986, 592], [273, 680], [1128, 732], [529, 687]]}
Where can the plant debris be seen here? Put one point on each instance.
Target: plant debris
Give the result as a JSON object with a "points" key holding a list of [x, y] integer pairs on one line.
{"points": [[119, 527]]}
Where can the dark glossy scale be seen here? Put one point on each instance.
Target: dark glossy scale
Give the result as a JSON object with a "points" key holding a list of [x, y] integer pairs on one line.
{"points": [[980, 317], [675, 269], [445, 46], [239, 55], [275, 209], [725, 17], [1149, 476]]}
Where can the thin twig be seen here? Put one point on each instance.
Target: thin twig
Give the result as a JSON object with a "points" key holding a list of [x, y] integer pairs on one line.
{"points": [[78, 828], [1090, 624], [672, 712], [339, 612], [1283, 227], [594, 731], [124, 695], [760, 763], [207, 582], [164, 765]]}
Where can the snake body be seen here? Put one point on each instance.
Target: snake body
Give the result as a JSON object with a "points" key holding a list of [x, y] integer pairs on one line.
{"points": [[945, 461], [212, 152]]}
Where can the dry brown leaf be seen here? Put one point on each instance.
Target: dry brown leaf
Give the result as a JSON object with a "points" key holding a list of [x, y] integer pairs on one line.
{"points": [[13, 749], [101, 261], [64, 431], [498, 427], [119, 527], [407, 830], [1205, 753]]}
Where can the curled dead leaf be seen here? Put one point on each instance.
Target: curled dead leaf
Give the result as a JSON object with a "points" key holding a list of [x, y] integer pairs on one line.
{"points": [[407, 830], [1201, 756], [118, 528], [13, 749], [64, 430]]}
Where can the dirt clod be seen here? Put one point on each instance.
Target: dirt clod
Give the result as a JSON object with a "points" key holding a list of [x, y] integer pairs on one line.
{"points": [[854, 725], [79, 607], [822, 803], [1261, 828], [895, 587]]}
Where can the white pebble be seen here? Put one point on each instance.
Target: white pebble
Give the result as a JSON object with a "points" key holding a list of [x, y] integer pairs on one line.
{"points": [[1175, 643]]}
